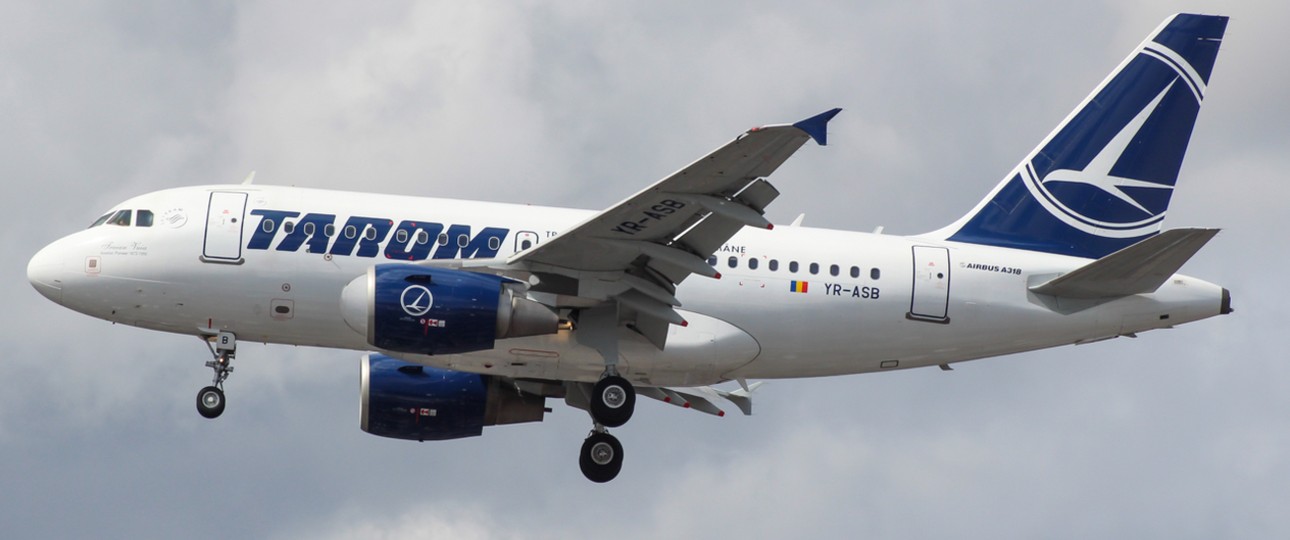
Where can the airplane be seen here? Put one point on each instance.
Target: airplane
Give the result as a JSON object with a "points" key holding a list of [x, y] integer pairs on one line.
{"points": [[474, 313]]}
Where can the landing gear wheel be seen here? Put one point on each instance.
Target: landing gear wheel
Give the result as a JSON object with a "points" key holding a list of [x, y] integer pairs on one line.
{"points": [[601, 458], [612, 401], [210, 402]]}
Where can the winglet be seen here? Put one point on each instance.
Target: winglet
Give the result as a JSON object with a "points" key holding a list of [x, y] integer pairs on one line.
{"points": [[815, 126]]}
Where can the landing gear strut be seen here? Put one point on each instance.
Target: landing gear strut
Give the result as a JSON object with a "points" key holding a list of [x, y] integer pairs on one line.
{"points": [[611, 401], [210, 400]]}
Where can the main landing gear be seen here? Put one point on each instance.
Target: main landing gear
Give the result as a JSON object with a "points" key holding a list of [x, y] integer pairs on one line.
{"points": [[612, 402], [210, 400]]}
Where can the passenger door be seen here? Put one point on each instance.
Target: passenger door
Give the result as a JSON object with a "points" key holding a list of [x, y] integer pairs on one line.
{"points": [[931, 291], [225, 214]]}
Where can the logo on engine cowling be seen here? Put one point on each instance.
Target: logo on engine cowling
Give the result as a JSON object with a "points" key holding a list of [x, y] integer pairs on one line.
{"points": [[416, 300]]}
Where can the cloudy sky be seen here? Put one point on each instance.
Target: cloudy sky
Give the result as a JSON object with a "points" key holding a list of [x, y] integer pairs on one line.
{"points": [[1178, 434]]}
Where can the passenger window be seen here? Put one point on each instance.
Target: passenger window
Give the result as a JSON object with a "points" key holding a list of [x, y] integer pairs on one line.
{"points": [[712, 261], [874, 274], [369, 233], [792, 267], [101, 220], [752, 263], [815, 268], [494, 243], [288, 227], [309, 229], [774, 265], [733, 262], [855, 271], [267, 225], [144, 219], [423, 237], [833, 270], [121, 218], [351, 232], [443, 239], [329, 230], [401, 236], [463, 240]]}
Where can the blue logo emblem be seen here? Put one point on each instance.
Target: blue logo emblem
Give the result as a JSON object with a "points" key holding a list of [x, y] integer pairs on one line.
{"points": [[1096, 198]]}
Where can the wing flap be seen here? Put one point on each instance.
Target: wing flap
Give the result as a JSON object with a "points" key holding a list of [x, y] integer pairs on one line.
{"points": [[1138, 269], [650, 242]]}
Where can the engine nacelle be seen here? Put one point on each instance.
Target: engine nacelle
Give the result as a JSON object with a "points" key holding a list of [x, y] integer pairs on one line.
{"points": [[402, 400], [425, 310]]}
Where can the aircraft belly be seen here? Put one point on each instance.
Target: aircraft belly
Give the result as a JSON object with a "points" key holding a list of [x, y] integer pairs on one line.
{"points": [[702, 353]]}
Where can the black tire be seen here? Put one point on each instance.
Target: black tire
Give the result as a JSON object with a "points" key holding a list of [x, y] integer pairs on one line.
{"points": [[601, 458], [613, 400], [210, 402]]}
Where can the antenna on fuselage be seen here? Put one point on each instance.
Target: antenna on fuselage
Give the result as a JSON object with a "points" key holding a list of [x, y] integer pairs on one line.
{"points": [[249, 178]]}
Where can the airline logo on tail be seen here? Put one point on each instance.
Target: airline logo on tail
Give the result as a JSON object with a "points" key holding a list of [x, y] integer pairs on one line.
{"points": [[1103, 179], [1097, 174]]}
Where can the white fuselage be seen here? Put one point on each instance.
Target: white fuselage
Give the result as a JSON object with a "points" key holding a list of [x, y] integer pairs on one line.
{"points": [[819, 302]]}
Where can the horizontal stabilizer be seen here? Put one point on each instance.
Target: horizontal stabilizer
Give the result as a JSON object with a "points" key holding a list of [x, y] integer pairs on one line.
{"points": [[1137, 269]]}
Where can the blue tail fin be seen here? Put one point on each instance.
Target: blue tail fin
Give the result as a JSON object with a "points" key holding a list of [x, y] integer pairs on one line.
{"points": [[1102, 180]]}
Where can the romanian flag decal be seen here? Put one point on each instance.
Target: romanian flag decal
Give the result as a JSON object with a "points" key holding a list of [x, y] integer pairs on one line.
{"points": [[797, 286]]}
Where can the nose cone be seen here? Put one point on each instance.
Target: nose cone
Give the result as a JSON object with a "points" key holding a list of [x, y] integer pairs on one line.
{"points": [[44, 271]]}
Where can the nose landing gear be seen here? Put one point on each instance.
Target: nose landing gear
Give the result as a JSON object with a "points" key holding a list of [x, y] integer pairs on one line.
{"points": [[210, 400]]}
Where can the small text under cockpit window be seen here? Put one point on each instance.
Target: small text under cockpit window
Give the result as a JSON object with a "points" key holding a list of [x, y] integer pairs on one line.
{"points": [[121, 218], [144, 219]]}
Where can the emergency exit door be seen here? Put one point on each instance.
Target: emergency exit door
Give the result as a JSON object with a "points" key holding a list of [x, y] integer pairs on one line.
{"points": [[931, 290], [224, 216]]}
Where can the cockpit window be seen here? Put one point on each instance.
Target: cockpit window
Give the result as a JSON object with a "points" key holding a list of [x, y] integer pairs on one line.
{"points": [[144, 219], [122, 218], [101, 220]]}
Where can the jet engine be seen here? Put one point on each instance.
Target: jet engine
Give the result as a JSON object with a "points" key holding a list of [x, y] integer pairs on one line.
{"points": [[424, 310], [410, 401]]}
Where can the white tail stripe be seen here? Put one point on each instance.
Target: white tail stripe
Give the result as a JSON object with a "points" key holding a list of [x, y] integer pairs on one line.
{"points": [[1184, 69]]}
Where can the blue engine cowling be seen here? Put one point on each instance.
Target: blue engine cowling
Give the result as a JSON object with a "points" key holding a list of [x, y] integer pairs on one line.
{"points": [[426, 310], [402, 400]]}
